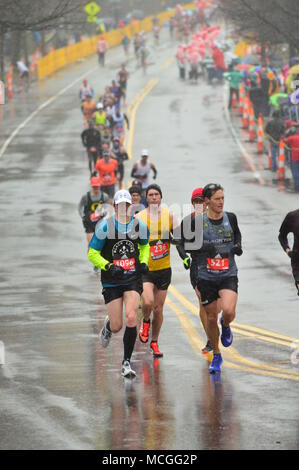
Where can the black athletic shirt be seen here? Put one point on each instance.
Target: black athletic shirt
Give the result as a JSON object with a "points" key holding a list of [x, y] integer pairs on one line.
{"points": [[290, 225]]}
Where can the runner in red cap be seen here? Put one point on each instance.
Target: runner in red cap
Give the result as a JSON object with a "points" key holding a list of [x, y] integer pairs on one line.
{"points": [[191, 224], [90, 207]]}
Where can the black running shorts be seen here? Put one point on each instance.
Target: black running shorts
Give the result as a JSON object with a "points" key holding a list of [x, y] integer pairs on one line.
{"points": [[109, 190], [113, 293], [161, 279], [209, 290]]}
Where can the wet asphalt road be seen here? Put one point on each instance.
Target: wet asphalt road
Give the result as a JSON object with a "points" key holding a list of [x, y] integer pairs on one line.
{"points": [[59, 389]]}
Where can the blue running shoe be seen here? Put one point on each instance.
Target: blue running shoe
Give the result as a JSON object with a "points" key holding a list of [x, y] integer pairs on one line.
{"points": [[215, 366], [226, 335]]}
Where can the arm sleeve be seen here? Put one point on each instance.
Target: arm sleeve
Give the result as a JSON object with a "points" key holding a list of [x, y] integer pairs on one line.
{"points": [[180, 246], [237, 234], [83, 138], [97, 259], [81, 207], [144, 252], [283, 233], [133, 172]]}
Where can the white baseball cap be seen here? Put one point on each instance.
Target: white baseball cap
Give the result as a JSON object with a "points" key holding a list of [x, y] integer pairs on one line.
{"points": [[100, 106], [144, 153], [122, 196]]}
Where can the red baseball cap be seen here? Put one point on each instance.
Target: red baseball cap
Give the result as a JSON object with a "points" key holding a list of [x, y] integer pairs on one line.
{"points": [[197, 193], [95, 182]]}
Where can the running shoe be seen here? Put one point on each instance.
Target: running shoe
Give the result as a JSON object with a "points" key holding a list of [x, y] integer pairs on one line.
{"points": [[216, 363], [105, 334], [226, 335], [155, 349], [207, 349], [144, 331], [127, 371]]}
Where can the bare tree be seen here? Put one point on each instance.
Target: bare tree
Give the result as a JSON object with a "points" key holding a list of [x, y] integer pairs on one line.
{"points": [[267, 20]]}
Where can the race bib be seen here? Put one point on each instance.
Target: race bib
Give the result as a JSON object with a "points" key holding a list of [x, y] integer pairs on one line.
{"points": [[127, 264], [217, 264], [159, 251], [107, 178]]}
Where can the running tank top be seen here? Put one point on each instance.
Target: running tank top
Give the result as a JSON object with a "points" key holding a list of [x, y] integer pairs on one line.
{"points": [[158, 239], [143, 173], [215, 260]]}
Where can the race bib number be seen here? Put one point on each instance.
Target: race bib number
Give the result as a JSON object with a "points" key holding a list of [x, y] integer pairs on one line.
{"points": [[160, 250], [127, 264], [107, 178], [217, 264]]}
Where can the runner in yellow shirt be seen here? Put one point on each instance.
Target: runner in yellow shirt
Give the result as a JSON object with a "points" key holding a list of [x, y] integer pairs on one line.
{"points": [[160, 223]]}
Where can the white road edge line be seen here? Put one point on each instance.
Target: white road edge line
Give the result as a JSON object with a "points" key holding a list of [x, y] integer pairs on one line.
{"points": [[40, 108]]}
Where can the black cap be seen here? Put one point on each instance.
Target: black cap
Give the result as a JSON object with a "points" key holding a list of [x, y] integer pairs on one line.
{"points": [[154, 186], [135, 189]]}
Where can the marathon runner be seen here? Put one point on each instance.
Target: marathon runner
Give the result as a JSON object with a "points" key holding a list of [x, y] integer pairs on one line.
{"points": [[107, 168], [160, 223], [119, 119], [85, 90], [123, 76], [120, 154], [137, 205], [90, 207], [120, 249], [141, 170], [217, 270], [291, 225], [191, 242], [88, 108], [102, 49], [100, 117], [91, 139]]}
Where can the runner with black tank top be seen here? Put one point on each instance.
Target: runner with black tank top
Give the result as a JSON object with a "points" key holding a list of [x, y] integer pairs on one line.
{"points": [[120, 249], [291, 225], [190, 243], [217, 273], [91, 208]]}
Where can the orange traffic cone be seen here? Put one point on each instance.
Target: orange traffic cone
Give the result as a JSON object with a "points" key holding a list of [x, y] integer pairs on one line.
{"points": [[251, 124], [281, 162], [245, 113], [260, 135], [9, 82], [270, 165], [241, 98]]}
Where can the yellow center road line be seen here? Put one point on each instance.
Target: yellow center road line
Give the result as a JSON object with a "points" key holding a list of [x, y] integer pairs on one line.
{"points": [[197, 345], [267, 339], [260, 332], [139, 99], [167, 63]]}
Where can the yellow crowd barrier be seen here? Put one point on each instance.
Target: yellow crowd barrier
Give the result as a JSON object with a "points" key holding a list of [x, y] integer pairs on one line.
{"points": [[60, 58]]}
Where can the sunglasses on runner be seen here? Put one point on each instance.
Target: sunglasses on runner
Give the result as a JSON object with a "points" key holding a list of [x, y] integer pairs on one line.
{"points": [[211, 188], [198, 200]]}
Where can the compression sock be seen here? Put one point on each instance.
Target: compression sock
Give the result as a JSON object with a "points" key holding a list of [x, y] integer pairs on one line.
{"points": [[129, 342]]}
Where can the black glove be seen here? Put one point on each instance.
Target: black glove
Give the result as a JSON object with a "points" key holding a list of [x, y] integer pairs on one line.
{"points": [[143, 268], [237, 250], [187, 263], [115, 271]]}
